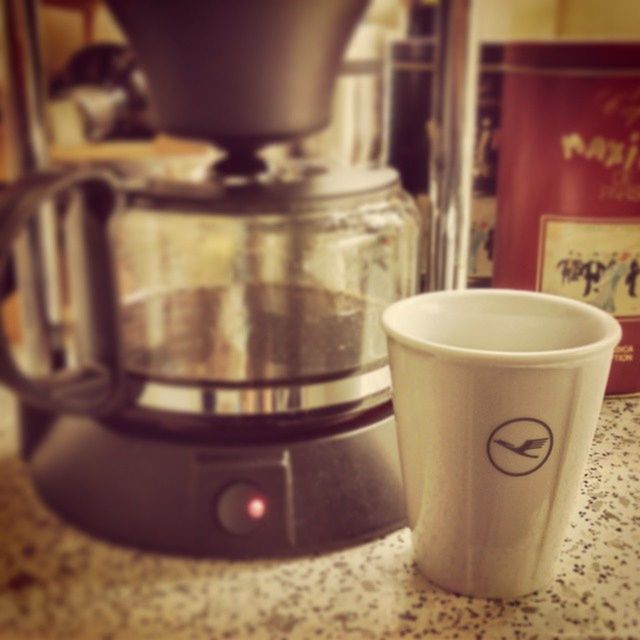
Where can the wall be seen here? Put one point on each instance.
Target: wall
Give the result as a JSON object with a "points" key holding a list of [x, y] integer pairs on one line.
{"points": [[62, 34], [513, 19], [599, 18]]}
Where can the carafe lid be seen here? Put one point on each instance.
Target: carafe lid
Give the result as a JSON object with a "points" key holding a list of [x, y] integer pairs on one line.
{"points": [[305, 186]]}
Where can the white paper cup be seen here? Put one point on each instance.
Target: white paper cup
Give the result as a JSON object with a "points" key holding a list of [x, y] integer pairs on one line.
{"points": [[496, 395]]}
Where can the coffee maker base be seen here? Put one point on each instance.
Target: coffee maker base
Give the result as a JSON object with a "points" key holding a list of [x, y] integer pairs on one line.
{"points": [[233, 500]]}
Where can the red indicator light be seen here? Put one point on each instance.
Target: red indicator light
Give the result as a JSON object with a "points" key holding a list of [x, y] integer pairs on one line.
{"points": [[256, 507]]}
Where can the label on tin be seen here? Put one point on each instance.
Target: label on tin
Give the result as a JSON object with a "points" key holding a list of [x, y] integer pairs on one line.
{"points": [[596, 260]]}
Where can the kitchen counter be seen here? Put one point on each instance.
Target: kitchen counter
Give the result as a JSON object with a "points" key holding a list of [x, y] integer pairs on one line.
{"points": [[58, 583]]}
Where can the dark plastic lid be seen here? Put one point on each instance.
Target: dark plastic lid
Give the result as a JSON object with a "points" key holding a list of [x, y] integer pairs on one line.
{"points": [[317, 185], [240, 73]]}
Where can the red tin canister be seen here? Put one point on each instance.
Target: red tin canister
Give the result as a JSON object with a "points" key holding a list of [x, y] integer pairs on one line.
{"points": [[569, 182]]}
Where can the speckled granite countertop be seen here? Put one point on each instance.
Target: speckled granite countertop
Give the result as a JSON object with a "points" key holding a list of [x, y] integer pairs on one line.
{"points": [[57, 583]]}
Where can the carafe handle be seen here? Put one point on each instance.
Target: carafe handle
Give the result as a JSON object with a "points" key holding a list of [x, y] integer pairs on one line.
{"points": [[95, 387]]}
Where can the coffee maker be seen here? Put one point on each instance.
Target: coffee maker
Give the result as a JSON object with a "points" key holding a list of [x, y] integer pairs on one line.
{"points": [[220, 385]]}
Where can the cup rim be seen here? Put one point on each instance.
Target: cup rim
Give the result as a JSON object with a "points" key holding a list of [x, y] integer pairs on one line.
{"points": [[610, 327]]}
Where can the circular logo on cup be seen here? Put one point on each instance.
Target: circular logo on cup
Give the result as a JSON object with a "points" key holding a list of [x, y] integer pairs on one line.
{"points": [[520, 447]]}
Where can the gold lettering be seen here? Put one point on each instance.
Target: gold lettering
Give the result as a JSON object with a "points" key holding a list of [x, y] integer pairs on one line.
{"points": [[609, 102], [624, 353], [624, 348], [572, 144], [622, 156], [620, 189], [597, 149], [608, 151], [632, 152], [615, 153], [621, 104], [631, 115]]}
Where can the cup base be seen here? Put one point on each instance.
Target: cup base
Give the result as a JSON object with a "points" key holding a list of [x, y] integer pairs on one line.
{"points": [[483, 591]]}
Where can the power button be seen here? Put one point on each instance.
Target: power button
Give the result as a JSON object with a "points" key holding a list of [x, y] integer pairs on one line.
{"points": [[241, 508]]}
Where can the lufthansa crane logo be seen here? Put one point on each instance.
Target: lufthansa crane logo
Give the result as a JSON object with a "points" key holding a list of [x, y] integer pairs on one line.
{"points": [[520, 447]]}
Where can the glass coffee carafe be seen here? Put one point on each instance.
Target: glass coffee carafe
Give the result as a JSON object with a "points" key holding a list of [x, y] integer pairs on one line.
{"points": [[238, 295]]}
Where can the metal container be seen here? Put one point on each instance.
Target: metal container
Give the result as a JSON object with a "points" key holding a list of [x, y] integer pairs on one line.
{"points": [[569, 182]]}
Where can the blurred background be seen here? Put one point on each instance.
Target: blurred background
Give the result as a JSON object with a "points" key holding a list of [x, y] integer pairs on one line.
{"points": [[69, 26], [97, 106]]}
